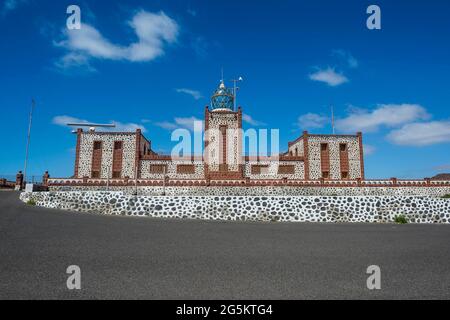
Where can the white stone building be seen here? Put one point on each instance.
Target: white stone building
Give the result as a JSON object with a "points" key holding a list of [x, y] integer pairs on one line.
{"points": [[123, 156]]}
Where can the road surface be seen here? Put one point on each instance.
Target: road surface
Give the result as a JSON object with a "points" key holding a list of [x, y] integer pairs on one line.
{"points": [[145, 258]]}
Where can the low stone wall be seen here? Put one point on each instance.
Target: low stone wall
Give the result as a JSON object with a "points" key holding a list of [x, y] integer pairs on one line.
{"points": [[268, 190], [257, 208]]}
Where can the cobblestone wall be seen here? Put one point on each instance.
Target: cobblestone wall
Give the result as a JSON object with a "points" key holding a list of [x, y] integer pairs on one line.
{"points": [[258, 208]]}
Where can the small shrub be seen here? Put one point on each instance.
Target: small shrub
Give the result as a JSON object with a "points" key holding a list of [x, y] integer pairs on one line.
{"points": [[447, 196], [31, 202], [274, 219], [401, 219]]}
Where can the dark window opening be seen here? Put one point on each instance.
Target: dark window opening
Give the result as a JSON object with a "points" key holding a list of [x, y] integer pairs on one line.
{"points": [[324, 147], [116, 174], [343, 147], [186, 169], [286, 169], [325, 174], [95, 174], [97, 145], [259, 169], [117, 145], [158, 168], [344, 175]]}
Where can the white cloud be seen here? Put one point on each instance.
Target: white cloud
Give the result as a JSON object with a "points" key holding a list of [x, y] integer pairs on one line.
{"points": [[328, 76], [347, 57], [10, 5], [421, 134], [190, 123], [442, 167], [153, 31], [248, 119], [91, 43], [194, 93], [312, 120], [192, 12], [409, 124], [125, 127], [368, 149], [200, 46], [64, 120], [167, 125], [352, 62], [74, 60], [390, 115], [122, 127]]}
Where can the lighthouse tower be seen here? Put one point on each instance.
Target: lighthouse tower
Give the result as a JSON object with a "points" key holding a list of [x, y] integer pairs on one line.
{"points": [[223, 136]]}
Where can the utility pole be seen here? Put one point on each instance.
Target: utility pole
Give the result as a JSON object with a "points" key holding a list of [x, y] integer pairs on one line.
{"points": [[33, 103]]}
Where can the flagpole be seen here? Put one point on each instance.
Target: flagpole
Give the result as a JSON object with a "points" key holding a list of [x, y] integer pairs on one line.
{"points": [[33, 103]]}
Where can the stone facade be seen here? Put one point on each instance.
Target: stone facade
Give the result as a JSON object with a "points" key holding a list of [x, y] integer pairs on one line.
{"points": [[336, 147], [223, 150], [105, 140], [254, 208]]}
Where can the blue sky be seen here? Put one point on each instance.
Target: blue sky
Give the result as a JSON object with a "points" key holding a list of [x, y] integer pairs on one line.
{"points": [[154, 64]]}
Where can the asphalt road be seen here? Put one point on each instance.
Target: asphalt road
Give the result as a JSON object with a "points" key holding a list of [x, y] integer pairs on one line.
{"points": [[144, 258]]}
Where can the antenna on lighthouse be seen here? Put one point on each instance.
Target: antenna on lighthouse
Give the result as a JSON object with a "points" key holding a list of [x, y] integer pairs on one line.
{"points": [[235, 89]]}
